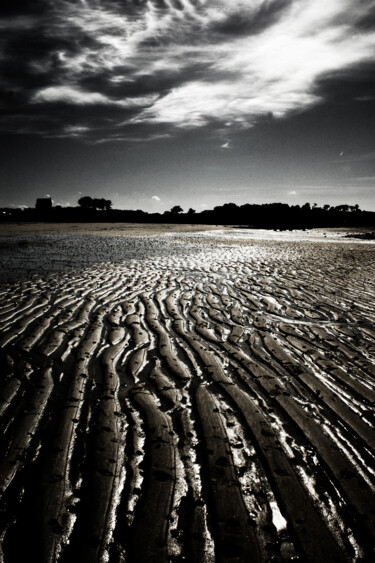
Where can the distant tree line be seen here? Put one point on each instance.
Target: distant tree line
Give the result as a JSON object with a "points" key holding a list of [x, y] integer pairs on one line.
{"points": [[268, 215], [284, 216], [87, 202]]}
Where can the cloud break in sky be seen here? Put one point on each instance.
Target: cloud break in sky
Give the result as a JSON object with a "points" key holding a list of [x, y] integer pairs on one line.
{"points": [[172, 85]]}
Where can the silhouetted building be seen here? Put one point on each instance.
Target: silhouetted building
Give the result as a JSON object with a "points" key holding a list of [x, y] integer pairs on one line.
{"points": [[43, 203]]}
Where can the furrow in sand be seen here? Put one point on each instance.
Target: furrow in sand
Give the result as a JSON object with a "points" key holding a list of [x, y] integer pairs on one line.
{"points": [[25, 428], [202, 326], [166, 346], [235, 536], [352, 485], [307, 346], [13, 313], [165, 387], [189, 522], [310, 534], [108, 470], [354, 489], [58, 495], [9, 391], [307, 526], [347, 471], [64, 322], [39, 328], [140, 341], [326, 396], [323, 343], [151, 524], [134, 463], [11, 384], [24, 323], [300, 512]]}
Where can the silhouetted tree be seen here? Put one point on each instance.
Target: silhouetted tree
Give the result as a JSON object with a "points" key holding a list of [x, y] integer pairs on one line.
{"points": [[176, 210], [98, 203], [43, 203], [86, 202], [230, 207], [191, 211], [342, 208]]}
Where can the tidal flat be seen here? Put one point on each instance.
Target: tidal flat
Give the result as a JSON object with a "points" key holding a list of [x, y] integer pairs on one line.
{"points": [[178, 395]]}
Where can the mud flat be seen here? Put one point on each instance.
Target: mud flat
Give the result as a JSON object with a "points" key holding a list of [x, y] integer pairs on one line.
{"points": [[202, 396], [117, 229]]}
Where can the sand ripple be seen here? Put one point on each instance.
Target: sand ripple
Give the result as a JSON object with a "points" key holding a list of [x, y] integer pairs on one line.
{"points": [[187, 398]]}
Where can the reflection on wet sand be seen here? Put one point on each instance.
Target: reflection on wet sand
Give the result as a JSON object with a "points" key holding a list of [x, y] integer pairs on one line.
{"points": [[198, 397]]}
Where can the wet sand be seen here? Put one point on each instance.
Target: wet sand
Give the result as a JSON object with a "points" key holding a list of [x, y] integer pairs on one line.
{"points": [[202, 396], [118, 229]]}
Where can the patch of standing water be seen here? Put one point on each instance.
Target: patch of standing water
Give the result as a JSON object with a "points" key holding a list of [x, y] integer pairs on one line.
{"points": [[278, 519], [297, 235], [307, 469], [252, 479]]}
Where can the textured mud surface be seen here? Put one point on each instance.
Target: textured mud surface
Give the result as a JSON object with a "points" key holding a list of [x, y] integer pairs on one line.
{"points": [[190, 398]]}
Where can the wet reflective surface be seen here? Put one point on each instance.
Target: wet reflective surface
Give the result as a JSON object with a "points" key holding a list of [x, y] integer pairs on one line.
{"points": [[200, 397]]}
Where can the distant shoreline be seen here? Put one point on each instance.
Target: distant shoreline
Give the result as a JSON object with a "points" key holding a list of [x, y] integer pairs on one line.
{"points": [[149, 229], [270, 216]]}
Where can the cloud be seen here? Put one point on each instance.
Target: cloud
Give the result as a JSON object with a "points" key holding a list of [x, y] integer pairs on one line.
{"points": [[18, 206], [63, 203], [177, 65], [156, 198], [76, 129], [76, 96], [68, 95], [293, 192], [249, 19]]}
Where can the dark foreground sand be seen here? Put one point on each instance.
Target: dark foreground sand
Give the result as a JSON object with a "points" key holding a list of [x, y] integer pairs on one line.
{"points": [[187, 397]]}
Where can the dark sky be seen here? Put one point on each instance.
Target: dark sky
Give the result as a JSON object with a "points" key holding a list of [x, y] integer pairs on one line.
{"points": [[190, 102]]}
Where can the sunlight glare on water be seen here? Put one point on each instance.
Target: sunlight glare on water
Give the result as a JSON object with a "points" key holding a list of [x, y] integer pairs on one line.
{"points": [[277, 518]]}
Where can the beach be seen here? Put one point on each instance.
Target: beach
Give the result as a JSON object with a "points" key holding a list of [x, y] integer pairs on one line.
{"points": [[186, 393]]}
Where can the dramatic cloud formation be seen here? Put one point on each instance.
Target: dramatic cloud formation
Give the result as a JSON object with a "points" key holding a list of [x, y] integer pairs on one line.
{"points": [[113, 70], [207, 101]]}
